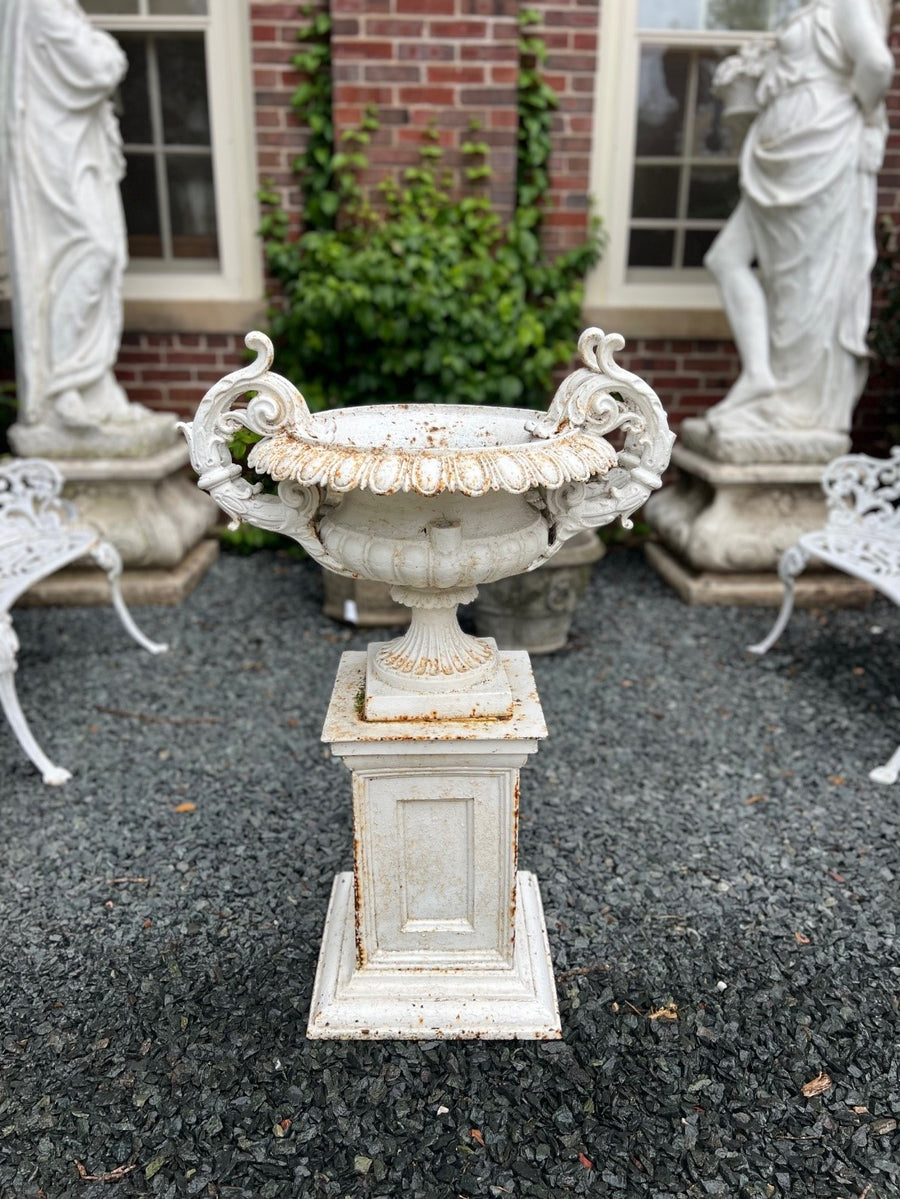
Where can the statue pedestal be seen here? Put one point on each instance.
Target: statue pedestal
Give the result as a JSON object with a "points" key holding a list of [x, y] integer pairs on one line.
{"points": [[723, 527], [152, 513], [434, 934]]}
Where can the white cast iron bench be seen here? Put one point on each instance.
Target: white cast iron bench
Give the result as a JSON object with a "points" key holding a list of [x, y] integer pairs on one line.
{"points": [[861, 537], [39, 534]]}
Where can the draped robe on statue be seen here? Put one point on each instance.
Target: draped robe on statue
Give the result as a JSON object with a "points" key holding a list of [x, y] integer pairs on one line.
{"points": [[62, 160], [808, 181]]}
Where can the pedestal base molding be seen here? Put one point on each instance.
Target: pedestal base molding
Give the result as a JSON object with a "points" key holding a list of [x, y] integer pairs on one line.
{"points": [[819, 589], [786, 446], [723, 517], [516, 1003], [75, 587]]}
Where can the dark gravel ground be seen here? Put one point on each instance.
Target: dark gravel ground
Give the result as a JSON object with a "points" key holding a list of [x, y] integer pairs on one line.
{"points": [[705, 836]]}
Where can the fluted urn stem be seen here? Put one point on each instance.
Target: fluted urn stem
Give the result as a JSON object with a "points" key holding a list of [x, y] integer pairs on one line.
{"points": [[434, 654]]}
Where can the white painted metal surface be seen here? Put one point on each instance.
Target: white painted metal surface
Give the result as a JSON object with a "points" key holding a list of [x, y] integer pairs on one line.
{"points": [[435, 499], [39, 534], [861, 538], [435, 934]]}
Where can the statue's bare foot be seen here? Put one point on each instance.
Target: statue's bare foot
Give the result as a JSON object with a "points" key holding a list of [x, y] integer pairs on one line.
{"points": [[749, 392], [73, 411]]}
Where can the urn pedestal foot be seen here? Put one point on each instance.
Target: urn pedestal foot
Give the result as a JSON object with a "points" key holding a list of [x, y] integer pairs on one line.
{"points": [[516, 1003], [435, 933], [490, 699]]}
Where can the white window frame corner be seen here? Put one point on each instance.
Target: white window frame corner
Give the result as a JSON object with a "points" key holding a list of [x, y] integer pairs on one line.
{"points": [[236, 285], [689, 304]]}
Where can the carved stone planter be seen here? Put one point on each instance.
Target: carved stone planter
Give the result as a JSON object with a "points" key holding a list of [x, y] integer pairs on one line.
{"points": [[366, 603], [534, 611], [436, 933]]}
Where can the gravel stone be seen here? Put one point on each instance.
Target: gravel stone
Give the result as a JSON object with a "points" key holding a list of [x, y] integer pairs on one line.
{"points": [[708, 844]]}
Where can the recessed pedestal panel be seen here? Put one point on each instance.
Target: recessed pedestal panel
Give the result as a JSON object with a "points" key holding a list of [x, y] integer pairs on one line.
{"points": [[434, 934]]}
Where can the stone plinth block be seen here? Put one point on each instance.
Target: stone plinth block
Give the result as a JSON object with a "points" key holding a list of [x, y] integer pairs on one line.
{"points": [[723, 517], [723, 527], [75, 587], [147, 507], [435, 934]]}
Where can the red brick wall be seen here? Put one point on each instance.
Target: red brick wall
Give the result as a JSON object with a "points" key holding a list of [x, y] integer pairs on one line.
{"points": [[429, 62], [172, 371], [279, 137], [570, 29], [445, 61]]}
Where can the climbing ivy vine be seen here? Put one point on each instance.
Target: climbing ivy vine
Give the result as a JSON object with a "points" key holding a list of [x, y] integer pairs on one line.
{"points": [[426, 295]]}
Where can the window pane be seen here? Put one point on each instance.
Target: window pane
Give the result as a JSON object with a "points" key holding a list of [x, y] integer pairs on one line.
{"points": [[182, 75], [669, 14], [714, 14], [141, 207], [661, 101], [133, 100], [110, 6], [655, 192], [193, 206], [711, 138], [713, 193], [178, 7], [696, 243], [749, 14], [651, 247], [739, 14]]}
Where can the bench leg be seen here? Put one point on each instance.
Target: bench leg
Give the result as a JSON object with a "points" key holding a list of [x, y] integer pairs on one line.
{"points": [[9, 701], [793, 563], [889, 772], [107, 558]]}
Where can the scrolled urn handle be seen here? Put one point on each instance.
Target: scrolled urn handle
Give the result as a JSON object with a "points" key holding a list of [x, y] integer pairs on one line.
{"points": [[276, 406], [599, 397]]}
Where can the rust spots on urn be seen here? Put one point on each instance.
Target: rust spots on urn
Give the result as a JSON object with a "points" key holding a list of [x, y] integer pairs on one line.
{"points": [[357, 899], [515, 860]]}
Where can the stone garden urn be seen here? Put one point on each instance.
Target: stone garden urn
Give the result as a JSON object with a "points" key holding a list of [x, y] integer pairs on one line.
{"points": [[534, 611], [435, 933]]}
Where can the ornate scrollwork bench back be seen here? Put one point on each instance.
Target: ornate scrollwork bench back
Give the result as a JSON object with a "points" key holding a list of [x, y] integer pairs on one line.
{"points": [[39, 534], [861, 537]]}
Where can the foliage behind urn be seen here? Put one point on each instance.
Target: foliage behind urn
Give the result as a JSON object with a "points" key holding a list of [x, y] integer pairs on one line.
{"points": [[428, 296]]}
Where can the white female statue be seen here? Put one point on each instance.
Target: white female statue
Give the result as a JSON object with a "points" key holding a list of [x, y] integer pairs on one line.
{"points": [[62, 161], [806, 218]]}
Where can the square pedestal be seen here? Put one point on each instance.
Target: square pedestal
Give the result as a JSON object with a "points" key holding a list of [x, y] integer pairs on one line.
{"points": [[434, 934], [383, 1005]]}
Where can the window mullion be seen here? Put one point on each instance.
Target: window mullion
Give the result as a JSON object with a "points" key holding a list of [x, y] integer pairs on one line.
{"points": [[159, 158], [684, 177]]}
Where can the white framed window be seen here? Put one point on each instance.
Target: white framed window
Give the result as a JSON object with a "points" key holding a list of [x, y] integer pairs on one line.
{"points": [[185, 111], [664, 168]]}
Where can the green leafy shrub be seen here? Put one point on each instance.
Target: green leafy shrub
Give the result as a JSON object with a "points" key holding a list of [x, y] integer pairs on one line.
{"points": [[430, 297]]}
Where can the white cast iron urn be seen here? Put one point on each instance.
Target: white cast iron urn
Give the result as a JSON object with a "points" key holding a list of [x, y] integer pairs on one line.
{"points": [[433, 500]]}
